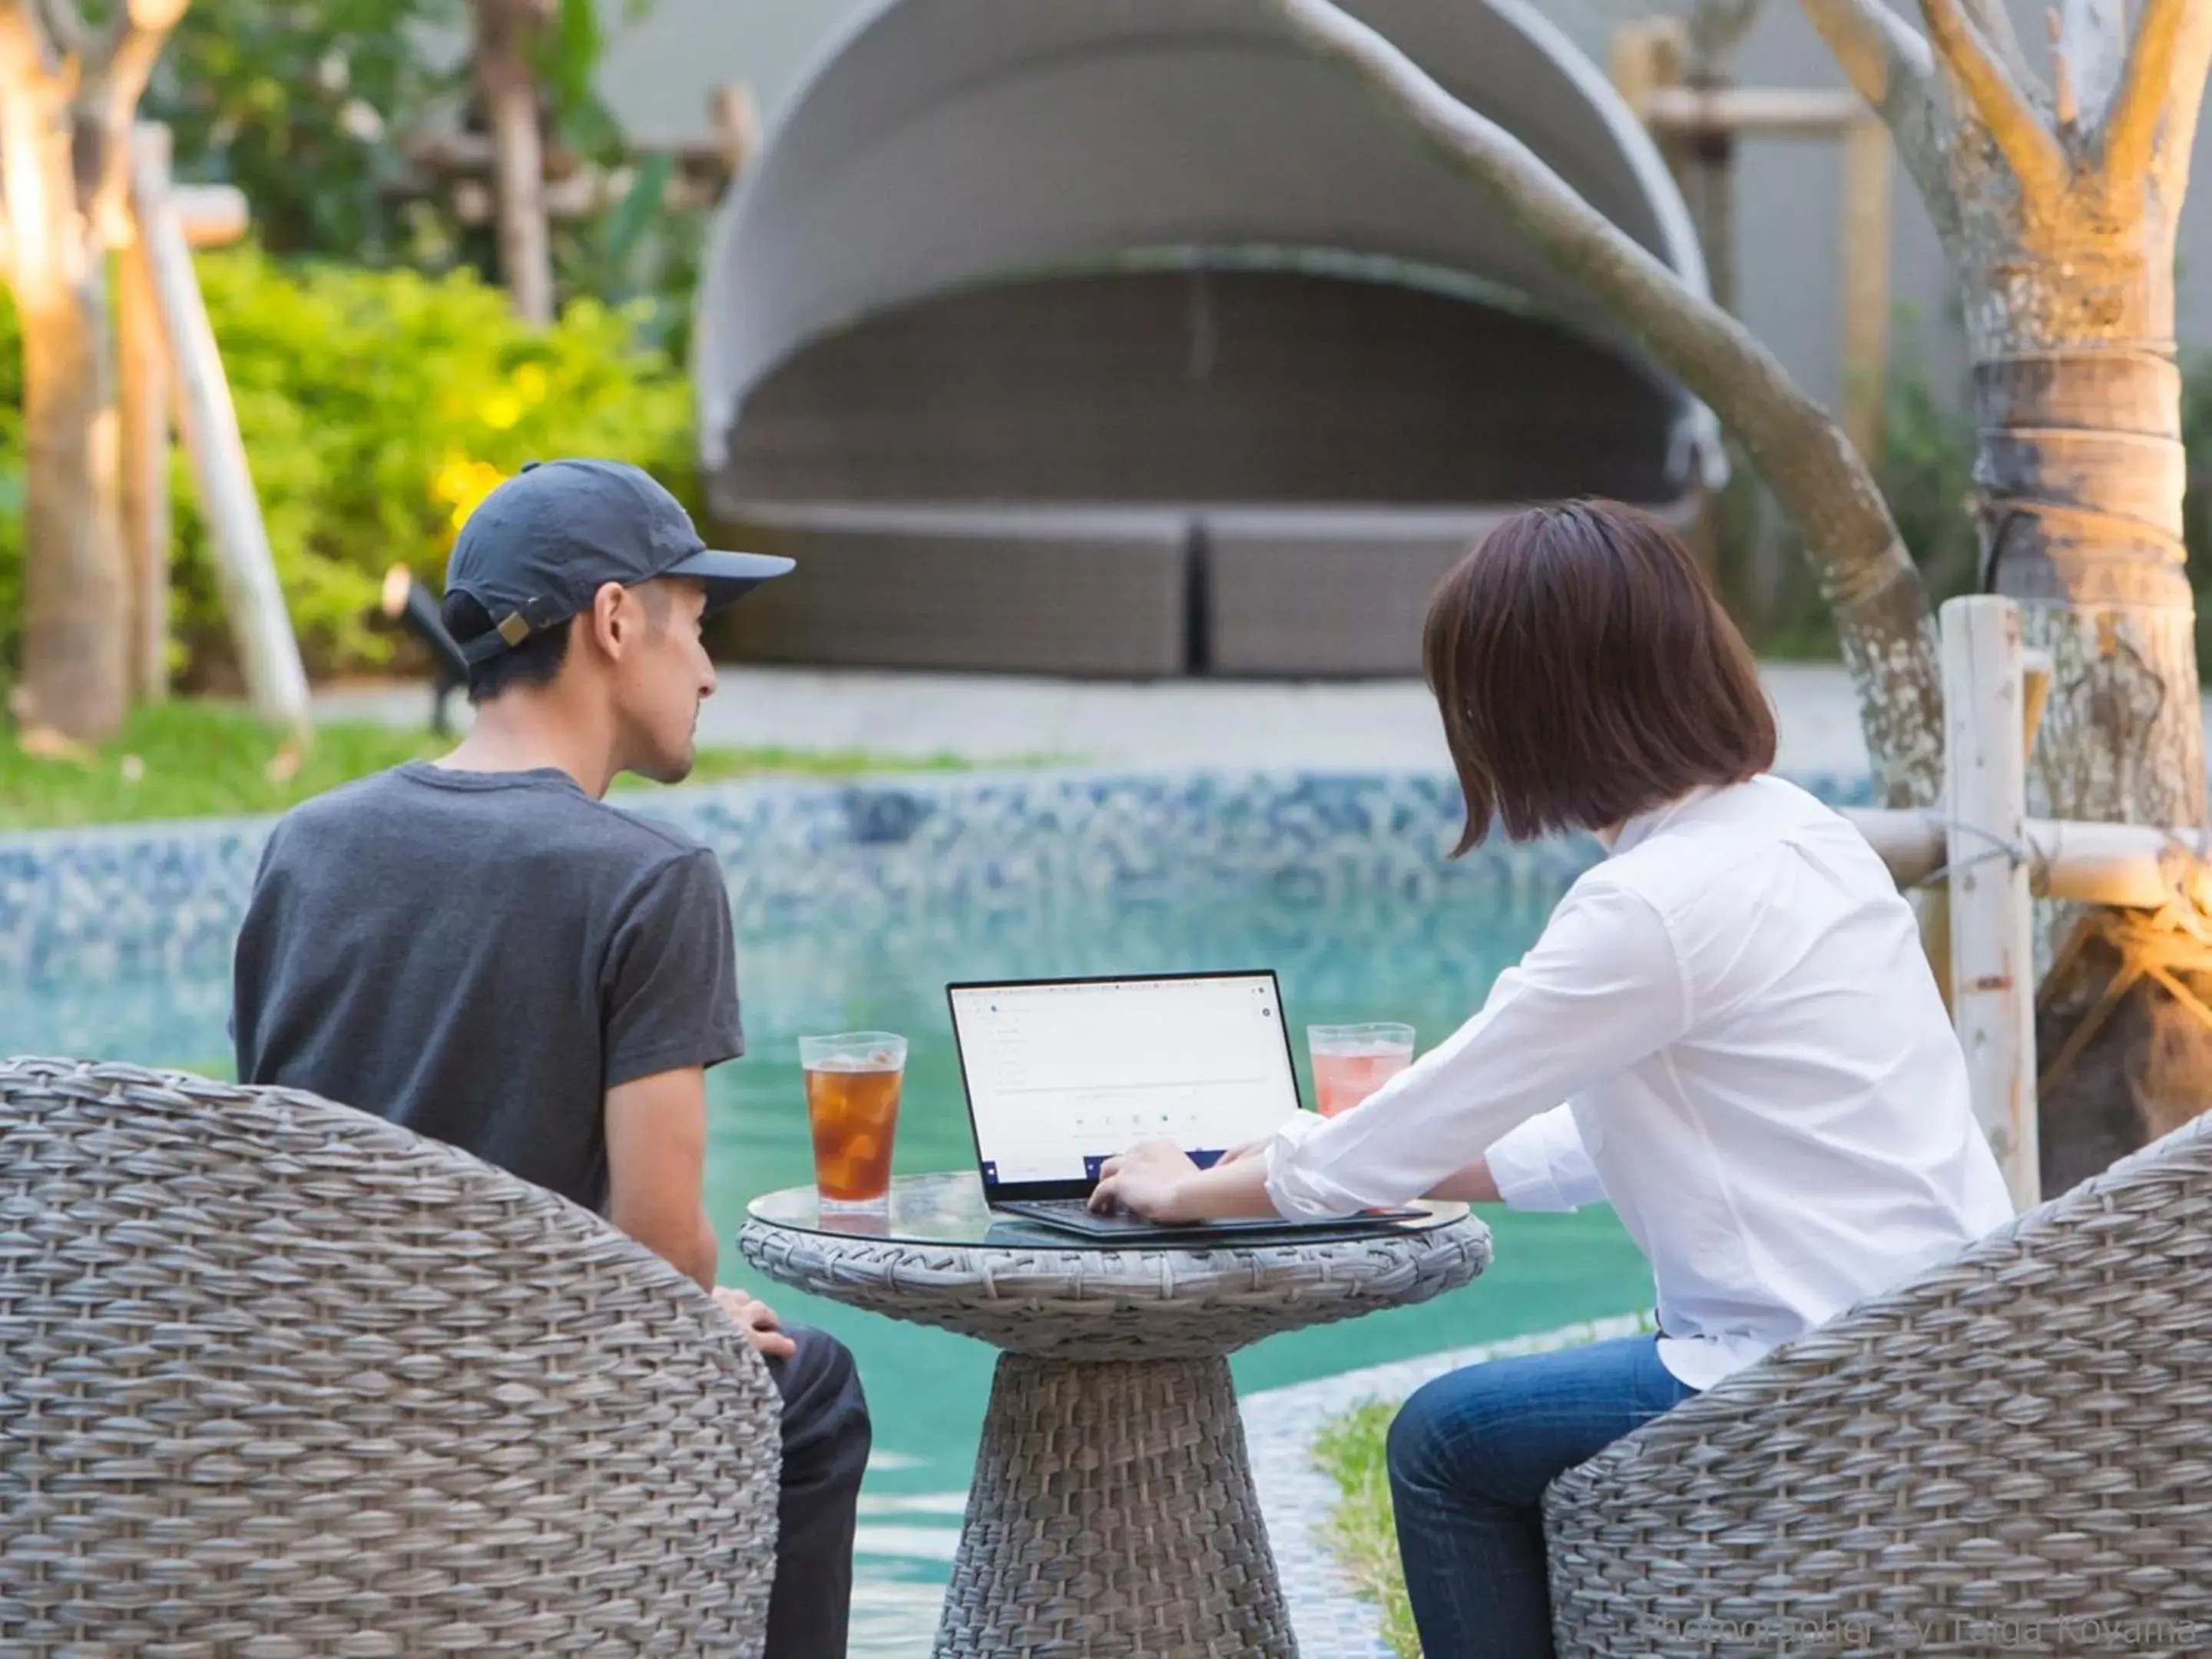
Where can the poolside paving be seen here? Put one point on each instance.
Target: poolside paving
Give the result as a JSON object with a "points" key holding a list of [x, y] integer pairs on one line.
{"points": [[1324, 726]]}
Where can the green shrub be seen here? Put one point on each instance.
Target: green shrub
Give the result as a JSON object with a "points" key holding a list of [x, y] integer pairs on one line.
{"points": [[378, 407], [304, 106], [1926, 471]]}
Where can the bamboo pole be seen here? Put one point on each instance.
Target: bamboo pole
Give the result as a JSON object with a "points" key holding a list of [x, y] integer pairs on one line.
{"points": [[733, 113], [1992, 940], [143, 396], [1866, 281], [1915, 843], [1752, 111], [2127, 866], [214, 216], [1646, 59], [246, 570]]}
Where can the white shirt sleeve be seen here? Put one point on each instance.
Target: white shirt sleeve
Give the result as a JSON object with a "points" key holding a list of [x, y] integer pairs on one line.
{"points": [[1601, 990], [1543, 1165]]}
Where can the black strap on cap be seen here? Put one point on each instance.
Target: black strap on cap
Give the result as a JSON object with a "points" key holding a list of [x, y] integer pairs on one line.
{"points": [[511, 630], [484, 646]]}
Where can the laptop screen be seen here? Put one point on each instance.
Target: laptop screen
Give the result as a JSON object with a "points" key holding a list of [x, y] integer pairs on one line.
{"points": [[1063, 1074]]}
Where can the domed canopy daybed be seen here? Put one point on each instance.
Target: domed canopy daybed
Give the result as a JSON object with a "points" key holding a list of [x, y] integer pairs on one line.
{"points": [[1123, 337]]}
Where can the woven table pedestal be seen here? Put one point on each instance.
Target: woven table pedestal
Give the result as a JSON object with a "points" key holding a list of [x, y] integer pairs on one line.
{"points": [[1112, 1511]]}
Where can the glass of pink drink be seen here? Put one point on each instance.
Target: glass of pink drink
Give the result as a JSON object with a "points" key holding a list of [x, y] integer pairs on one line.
{"points": [[1351, 1062]]}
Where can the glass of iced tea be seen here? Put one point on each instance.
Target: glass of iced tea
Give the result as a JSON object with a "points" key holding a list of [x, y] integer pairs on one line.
{"points": [[1351, 1062], [852, 1104]]}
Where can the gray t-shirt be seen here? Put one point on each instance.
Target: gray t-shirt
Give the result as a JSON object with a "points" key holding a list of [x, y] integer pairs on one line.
{"points": [[480, 957]]}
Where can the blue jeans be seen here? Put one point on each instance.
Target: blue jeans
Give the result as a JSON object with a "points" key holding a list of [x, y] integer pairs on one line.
{"points": [[1470, 1456]]}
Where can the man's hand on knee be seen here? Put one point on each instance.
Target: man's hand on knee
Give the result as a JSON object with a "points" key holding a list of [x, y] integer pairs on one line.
{"points": [[757, 1321]]}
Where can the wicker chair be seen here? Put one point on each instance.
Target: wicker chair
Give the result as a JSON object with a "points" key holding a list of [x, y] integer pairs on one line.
{"points": [[2009, 1454], [279, 1379]]}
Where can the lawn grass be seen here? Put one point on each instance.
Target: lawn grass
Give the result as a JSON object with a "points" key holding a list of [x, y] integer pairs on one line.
{"points": [[190, 760], [1349, 1450]]}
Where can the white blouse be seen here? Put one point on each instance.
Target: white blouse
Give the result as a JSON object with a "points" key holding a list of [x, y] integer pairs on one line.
{"points": [[1757, 1068]]}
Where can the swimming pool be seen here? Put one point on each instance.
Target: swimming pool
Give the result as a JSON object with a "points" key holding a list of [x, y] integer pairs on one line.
{"points": [[854, 907]]}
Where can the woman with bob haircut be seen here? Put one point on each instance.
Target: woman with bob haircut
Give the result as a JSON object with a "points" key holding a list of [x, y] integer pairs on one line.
{"points": [[1728, 1030]]}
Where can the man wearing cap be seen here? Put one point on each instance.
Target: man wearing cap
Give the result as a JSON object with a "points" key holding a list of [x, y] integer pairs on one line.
{"points": [[482, 950]]}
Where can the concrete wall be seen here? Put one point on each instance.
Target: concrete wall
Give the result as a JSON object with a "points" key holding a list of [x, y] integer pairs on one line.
{"points": [[659, 72]]}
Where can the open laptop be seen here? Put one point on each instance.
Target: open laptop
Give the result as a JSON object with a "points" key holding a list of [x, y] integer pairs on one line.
{"points": [[1063, 1074]]}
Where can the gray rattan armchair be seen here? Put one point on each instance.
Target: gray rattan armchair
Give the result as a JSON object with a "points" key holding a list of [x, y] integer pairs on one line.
{"points": [[277, 1378], [2011, 1454]]}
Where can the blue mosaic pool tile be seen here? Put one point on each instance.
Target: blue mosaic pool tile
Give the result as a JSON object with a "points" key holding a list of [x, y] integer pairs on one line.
{"points": [[164, 900], [115, 903]]}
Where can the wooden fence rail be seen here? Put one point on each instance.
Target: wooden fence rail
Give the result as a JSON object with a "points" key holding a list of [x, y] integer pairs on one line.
{"points": [[1995, 860], [169, 359]]}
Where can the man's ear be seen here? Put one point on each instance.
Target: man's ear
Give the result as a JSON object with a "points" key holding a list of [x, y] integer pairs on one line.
{"points": [[612, 620]]}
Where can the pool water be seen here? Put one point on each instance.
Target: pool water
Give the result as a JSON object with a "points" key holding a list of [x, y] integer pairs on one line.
{"points": [[1367, 955]]}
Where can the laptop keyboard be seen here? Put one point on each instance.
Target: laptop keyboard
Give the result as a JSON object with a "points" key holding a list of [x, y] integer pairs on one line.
{"points": [[1080, 1207], [1081, 1216]]}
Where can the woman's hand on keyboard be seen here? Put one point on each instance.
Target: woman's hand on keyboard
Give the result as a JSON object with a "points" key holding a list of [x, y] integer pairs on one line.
{"points": [[1147, 1181]]}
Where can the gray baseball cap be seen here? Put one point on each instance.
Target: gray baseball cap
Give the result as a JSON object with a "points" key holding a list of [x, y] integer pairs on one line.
{"points": [[539, 547]]}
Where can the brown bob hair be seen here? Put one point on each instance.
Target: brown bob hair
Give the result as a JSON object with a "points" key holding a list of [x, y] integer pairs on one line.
{"points": [[1586, 673]]}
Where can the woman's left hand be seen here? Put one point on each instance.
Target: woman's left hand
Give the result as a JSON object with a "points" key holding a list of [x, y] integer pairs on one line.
{"points": [[1151, 1181]]}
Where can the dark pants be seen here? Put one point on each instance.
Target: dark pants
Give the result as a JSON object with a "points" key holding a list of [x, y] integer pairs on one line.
{"points": [[825, 1451], [1470, 1456]]}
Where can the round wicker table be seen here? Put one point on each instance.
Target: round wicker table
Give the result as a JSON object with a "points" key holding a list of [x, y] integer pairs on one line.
{"points": [[1112, 1510]]}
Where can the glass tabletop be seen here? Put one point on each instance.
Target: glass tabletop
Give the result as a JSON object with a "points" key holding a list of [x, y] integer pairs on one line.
{"points": [[949, 1210]]}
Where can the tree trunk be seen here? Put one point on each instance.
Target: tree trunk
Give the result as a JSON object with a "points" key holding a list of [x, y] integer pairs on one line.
{"points": [[2080, 474], [2081, 470], [75, 669], [510, 99], [2057, 210], [66, 98]]}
